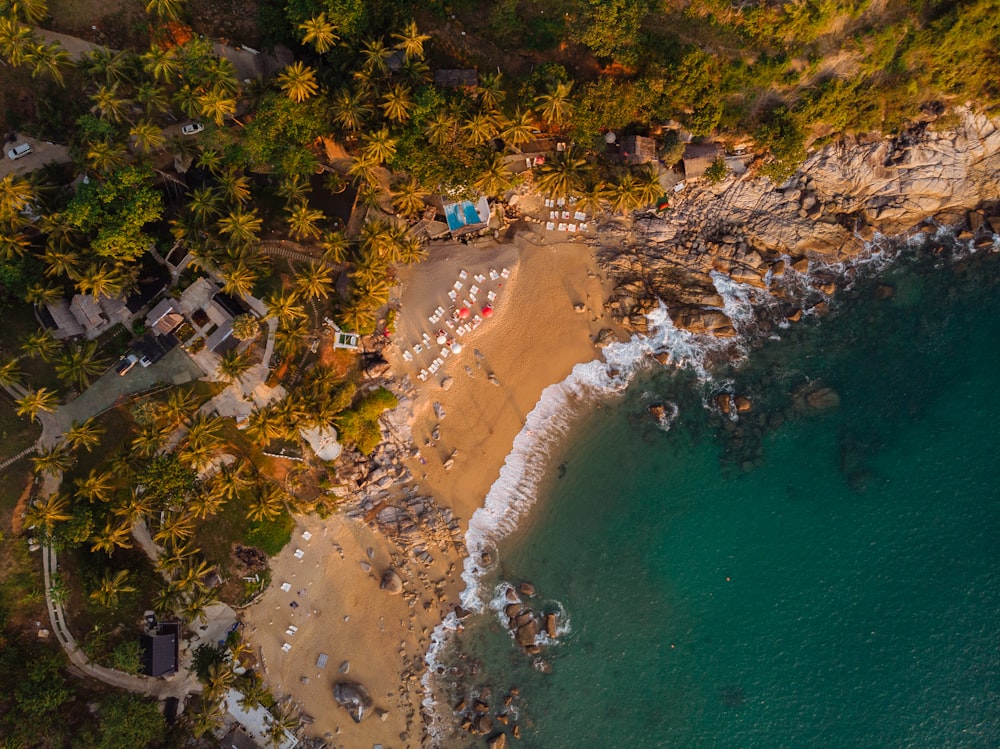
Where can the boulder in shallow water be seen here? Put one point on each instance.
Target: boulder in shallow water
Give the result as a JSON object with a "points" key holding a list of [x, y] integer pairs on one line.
{"points": [[527, 589], [497, 742], [354, 698], [527, 632], [823, 399], [391, 582], [551, 621]]}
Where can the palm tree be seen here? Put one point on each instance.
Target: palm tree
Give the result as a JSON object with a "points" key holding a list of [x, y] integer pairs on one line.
{"points": [[192, 576], [175, 527], [110, 588], [86, 435], [216, 105], [148, 440], [648, 183], [242, 227], [99, 279], [162, 63], [246, 327], [356, 316], [235, 186], [106, 157], [187, 99], [373, 57], [554, 105], [519, 129], [153, 98], [625, 194], [204, 203], [262, 426], [284, 307], [61, 263], [16, 194], [334, 246], [298, 81], [17, 41], [290, 339], [563, 174], [234, 364], [416, 72], [496, 178], [362, 170], [408, 197], [230, 481], [45, 512], [112, 67], [10, 373], [42, 343], [350, 110], [319, 32], [165, 10], [49, 60], [491, 91], [411, 41], [279, 726], [220, 679], [97, 486], [294, 189], [60, 232], [591, 198], [39, 294], [80, 364], [180, 404], [379, 146], [52, 462], [112, 536], [203, 431], [314, 282], [148, 136], [480, 128], [174, 557], [35, 401], [303, 222], [32, 11], [397, 103], [440, 128], [411, 250], [206, 718], [267, 504], [109, 103]]}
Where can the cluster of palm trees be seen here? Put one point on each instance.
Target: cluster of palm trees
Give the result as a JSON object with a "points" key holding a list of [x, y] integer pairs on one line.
{"points": [[570, 173], [20, 45]]}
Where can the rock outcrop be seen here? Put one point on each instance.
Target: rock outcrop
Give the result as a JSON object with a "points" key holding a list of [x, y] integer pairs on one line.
{"points": [[354, 698], [764, 238]]}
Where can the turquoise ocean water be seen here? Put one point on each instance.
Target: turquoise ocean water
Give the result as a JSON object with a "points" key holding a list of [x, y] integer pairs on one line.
{"points": [[797, 578]]}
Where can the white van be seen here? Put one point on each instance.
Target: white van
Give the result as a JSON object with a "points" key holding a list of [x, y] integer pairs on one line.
{"points": [[18, 151]]}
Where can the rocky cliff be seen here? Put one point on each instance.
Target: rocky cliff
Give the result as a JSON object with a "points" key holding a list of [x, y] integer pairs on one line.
{"points": [[791, 243]]}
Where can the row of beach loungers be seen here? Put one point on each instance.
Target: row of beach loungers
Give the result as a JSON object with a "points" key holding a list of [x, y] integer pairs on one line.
{"points": [[446, 318], [552, 226]]}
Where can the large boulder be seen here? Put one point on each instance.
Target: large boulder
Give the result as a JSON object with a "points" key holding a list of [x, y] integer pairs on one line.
{"points": [[497, 742], [527, 633], [391, 582], [354, 698]]}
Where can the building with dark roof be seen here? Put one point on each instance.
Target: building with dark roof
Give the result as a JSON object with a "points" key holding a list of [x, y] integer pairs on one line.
{"points": [[160, 649], [466, 77], [699, 157], [637, 149]]}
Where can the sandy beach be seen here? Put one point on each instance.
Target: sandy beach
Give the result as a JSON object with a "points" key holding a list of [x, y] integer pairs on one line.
{"points": [[547, 308]]}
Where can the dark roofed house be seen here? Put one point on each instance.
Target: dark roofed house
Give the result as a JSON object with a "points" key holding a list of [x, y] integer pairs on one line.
{"points": [[165, 317], [222, 339], [466, 77], [160, 649], [698, 158], [238, 739], [637, 149], [231, 304]]}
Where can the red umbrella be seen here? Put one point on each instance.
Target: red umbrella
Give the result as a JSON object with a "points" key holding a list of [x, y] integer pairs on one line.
{"points": [[487, 311], [463, 312]]}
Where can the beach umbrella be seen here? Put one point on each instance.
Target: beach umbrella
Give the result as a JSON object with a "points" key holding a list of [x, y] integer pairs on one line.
{"points": [[456, 348], [487, 311], [463, 312], [442, 339]]}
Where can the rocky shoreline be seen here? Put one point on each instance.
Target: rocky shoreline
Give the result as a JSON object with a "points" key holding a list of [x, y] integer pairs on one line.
{"points": [[789, 246]]}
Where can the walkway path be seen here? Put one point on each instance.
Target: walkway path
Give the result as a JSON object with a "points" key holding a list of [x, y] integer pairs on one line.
{"points": [[291, 251]]}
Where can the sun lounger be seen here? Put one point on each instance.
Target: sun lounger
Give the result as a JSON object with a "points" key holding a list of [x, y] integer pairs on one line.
{"points": [[571, 227], [426, 337], [463, 274], [550, 226], [423, 375], [493, 274], [453, 295], [445, 352], [417, 348], [505, 273], [450, 324], [480, 278], [457, 286], [584, 226], [289, 632], [491, 296], [553, 214], [286, 587], [561, 202], [407, 356], [299, 554], [460, 331], [433, 319], [579, 216], [561, 227], [474, 289], [286, 647]]}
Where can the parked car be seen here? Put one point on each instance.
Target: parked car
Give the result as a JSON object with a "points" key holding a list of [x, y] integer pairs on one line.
{"points": [[125, 365], [18, 151], [192, 128]]}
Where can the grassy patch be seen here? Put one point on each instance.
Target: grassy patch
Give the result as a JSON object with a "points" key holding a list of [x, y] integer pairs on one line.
{"points": [[118, 425]]}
